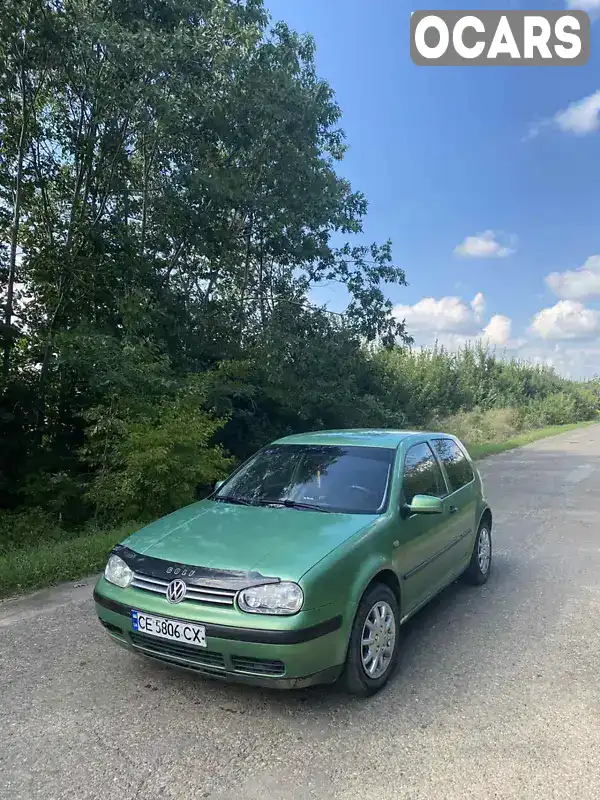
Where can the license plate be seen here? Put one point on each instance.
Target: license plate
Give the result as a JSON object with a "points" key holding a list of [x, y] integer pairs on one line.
{"points": [[184, 632]]}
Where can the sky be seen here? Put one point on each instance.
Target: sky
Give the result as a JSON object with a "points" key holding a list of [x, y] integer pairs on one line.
{"points": [[486, 179]]}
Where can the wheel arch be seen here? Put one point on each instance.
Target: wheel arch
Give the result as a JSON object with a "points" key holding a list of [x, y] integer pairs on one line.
{"points": [[378, 571], [486, 516], [389, 578]]}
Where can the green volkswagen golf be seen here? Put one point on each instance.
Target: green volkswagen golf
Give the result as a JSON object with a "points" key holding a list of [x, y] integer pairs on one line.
{"points": [[303, 565]]}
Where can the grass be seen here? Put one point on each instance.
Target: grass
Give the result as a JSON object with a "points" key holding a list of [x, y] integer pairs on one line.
{"points": [[483, 449], [56, 561]]}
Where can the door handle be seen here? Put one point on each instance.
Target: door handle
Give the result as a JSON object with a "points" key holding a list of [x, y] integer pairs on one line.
{"points": [[453, 509]]}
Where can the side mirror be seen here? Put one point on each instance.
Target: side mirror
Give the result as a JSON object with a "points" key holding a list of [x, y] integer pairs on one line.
{"points": [[425, 504], [218, 485]]}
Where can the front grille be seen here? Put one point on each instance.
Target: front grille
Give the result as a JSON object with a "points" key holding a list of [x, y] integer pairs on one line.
{"points": [[194, 594], [170, 651], [204, 660], [257, 666]]}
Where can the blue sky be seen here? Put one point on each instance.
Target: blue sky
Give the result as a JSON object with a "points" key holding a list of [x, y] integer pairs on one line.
{"points": [[446, 153]]}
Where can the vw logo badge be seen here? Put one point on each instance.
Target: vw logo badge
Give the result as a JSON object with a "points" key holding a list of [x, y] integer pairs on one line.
{"points": [[176, 591]]}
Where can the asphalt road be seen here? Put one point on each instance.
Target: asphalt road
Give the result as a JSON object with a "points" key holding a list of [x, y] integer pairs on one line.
{"points": [[497, 695]]}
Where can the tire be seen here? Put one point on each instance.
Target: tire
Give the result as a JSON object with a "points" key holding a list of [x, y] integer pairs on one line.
{"points": [[355, 679], [479, 567]]}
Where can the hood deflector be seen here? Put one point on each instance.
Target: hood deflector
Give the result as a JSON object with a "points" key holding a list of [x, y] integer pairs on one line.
{"points": [[192, 575]]}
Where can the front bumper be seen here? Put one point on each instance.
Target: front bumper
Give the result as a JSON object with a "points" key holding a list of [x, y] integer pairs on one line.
{"points": [[283, 659]]}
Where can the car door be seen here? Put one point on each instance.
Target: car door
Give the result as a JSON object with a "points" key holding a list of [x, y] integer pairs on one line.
{"points": [[421, 537], [461, 502]]}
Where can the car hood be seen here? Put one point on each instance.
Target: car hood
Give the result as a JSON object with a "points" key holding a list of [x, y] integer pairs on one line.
{"points": [[277, 542]]}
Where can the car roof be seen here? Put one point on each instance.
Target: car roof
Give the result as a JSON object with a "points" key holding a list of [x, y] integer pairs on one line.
{"points": [[361, 437]]}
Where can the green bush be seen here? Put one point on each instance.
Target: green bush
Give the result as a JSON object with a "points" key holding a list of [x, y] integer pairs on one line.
{"points": [[27, 528], [157, 462], [586, 403], [555, 409], [434, 383], [481, 426]]}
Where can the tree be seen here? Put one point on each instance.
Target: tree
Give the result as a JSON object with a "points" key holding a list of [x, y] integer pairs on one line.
{"points": [[26, 52], [170, 195]]}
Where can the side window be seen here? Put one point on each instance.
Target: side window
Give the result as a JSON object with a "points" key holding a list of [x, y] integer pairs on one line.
{"points": [[422, 474], [457, 467]]}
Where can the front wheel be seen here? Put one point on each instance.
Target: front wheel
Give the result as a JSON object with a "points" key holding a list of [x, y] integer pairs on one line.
{"points": [[374, 641], [480, 565]]}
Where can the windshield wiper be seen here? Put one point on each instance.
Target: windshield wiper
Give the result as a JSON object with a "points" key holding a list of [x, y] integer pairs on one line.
{"points": [[237, 500], [293, 504]]}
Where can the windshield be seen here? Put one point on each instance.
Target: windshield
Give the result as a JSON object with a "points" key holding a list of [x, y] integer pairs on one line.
{"points": [[352, 480]]}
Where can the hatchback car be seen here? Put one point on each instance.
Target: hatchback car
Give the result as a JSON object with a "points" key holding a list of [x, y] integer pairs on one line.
{"points": [[303, 565]]}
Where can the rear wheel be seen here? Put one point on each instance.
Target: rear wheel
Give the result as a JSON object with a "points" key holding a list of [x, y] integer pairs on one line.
{"points": [[374, 642], [480, 565]]}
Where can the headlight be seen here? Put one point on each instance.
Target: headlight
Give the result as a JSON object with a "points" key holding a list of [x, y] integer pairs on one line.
{"points": [[118, 572], [276, 598]]}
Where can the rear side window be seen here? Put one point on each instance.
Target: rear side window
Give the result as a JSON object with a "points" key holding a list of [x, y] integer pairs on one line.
{"points": [[457, 467], [422, 474]]}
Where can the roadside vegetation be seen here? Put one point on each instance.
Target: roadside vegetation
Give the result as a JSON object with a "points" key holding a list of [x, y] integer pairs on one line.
{"points": [[168, 201], [34, 553]]}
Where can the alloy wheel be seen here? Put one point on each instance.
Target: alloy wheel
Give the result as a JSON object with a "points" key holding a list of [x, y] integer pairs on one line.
{"points": [[378, 639], [484, 548]]}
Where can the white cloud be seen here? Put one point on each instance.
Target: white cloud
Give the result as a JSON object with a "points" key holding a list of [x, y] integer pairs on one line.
{"points": [[584, 5], [577, 284], [453, 323], [580, 118], [449, 339], [498, 330], [566, 320], [445, 314], [565, 336], [486, 245], [478, 305], [571, 359]]}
